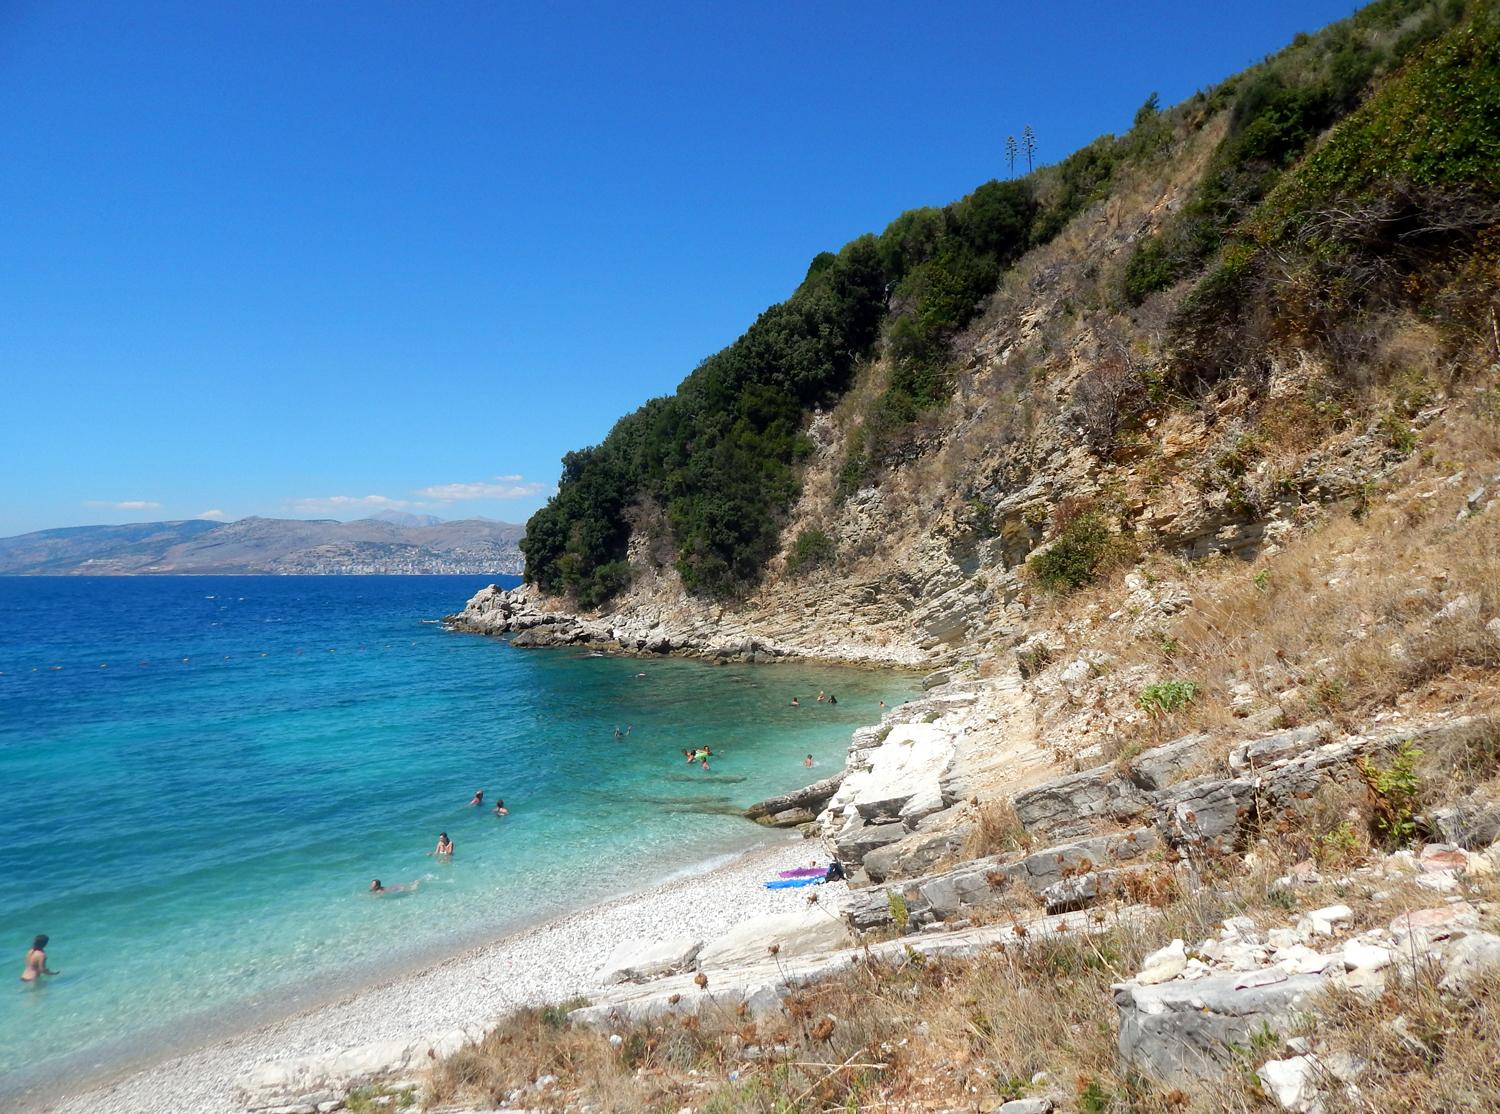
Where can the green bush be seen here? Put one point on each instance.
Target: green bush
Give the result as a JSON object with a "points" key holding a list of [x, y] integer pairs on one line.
{"points": [[812, 548], [1084, 549], [720, 458], [1279, 109], [1164, 698], [1396, 788]]}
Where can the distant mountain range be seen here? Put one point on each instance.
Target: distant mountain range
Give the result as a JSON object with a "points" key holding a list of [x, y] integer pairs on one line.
{"points": [[391, 544]]}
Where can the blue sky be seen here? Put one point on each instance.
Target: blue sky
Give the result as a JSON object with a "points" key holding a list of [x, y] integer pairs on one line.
{"points": [[321, 259]]}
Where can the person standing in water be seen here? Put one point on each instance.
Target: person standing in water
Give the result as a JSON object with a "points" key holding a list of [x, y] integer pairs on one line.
{"points": [[444, 845], [500, 809], [795, 703], [36, 961], [808, 761]]}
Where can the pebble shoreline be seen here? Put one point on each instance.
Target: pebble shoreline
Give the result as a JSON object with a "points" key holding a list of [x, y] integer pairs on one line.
{"points": [[551, 962]]}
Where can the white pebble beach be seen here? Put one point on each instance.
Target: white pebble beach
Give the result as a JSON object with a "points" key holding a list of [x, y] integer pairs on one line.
{"points": [[551, 962]]}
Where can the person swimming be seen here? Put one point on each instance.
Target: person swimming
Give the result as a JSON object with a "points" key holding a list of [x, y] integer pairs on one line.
{"points": [[795, 703], [822, 696], [377, 888], [36, 961], [808, 762], [477, 799], [702, 754], [690, 756], [832, 699], [500, 809], [444, 845]]}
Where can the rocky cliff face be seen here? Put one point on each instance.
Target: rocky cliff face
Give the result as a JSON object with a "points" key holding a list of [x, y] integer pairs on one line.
{"points": [[929, 566]]}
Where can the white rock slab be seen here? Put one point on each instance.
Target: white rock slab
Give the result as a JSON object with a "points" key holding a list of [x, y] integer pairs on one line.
{"points": [[633, 960], [1163, 964], [808, 931]]}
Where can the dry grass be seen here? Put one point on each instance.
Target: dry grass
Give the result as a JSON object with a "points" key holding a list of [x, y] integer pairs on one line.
{"points": [[1384, 606], [997, 828], [1443, 1062], [928, 1034]]}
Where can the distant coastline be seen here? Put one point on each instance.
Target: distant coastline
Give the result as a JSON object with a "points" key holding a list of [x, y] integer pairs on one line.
{"points": [[270, 547]]}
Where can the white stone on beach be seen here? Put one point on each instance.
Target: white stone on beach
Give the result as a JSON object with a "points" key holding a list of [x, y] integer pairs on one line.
{"points": [[807, 931], [646, 959]]}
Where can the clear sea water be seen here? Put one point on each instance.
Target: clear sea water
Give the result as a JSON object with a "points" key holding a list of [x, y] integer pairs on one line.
{"points": [[201, 775]]}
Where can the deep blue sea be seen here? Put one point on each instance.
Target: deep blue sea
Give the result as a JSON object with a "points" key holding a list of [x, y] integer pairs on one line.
{"points": [[201, 775]]}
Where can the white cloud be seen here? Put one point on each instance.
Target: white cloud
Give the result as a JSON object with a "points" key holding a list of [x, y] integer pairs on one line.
{"points": [[501, 487], [123, 505], [336, 504], [216, 515]]}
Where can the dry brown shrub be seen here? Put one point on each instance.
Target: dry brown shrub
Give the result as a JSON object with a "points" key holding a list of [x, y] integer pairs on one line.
{"points": [[997, 828]]}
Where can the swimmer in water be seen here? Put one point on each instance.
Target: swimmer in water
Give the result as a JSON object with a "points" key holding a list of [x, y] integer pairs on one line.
{"points": [[795, 703], [821, 696], [444, 845], [377, 888], [808, 762], [832, 699], [703, 754], [500, 809], [689, 756], [477, 799], [36, 961]]}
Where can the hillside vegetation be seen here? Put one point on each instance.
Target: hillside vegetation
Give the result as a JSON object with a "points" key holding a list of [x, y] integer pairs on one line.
{"points": [[1288, 235], [1179, 464]]}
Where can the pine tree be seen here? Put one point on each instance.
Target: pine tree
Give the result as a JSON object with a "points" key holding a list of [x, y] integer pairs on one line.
{"points": [[1010, 154], [1028, 141]]}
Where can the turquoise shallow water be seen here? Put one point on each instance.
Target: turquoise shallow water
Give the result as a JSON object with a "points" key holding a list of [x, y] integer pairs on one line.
{"points": [[197, 798]]}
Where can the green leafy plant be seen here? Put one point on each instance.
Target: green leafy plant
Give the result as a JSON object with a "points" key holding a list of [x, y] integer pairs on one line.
{"points": [[1010, 1087], [1395, 788], [555, 1016], [1093, 1098], [1165, 698], [1398, 433], [1339, 847], [1262, 580], [812, 548], [899, 911], [362, 1099], [1084, 549], [1328, 693]]}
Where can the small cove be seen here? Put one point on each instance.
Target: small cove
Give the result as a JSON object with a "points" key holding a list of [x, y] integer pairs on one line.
{"points": [[197, 835]]}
